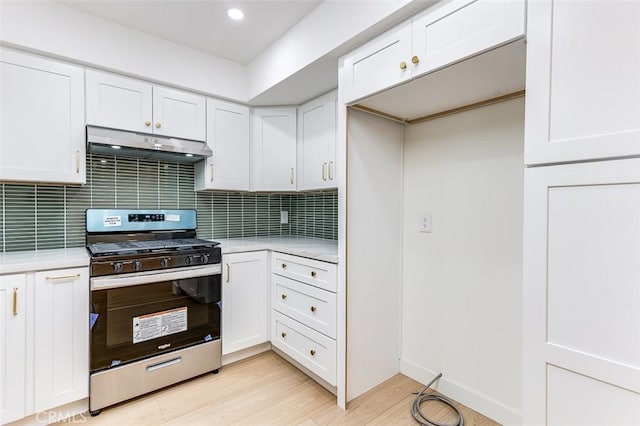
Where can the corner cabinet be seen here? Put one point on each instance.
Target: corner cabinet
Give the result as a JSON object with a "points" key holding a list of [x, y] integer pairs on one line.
{"points": [[42, 133], [12, 347], [228, 136], [244, 300], [61, 337], [274, 149], [316, 146], [440, 36], [128, 104], [583, 81]]}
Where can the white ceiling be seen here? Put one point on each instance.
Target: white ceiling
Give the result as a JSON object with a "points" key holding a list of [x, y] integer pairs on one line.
{"points": [[203, 24]]}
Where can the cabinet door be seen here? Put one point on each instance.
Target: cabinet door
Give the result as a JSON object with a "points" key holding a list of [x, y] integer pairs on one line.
{"points": [[244, 301], [118, 102], [12, 347], [463, 28], [581, 300], [179, 114], [274, 149], [42, 133], [61, 337], [583, 80], [317, 143], [229, 138], [378, 65]]}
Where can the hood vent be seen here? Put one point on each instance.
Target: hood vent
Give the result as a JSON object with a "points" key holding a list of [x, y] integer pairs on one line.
{"points": [[141, 145]]}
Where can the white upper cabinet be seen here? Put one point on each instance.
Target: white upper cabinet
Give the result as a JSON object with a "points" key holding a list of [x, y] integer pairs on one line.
{"points": [[228, 136], [274, 149], [440, 36], [42, 134], [13, 362], [128, 104], [583, 80], [316, 150]]}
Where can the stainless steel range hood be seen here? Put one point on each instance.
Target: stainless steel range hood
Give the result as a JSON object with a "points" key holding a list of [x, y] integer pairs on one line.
{"points": [[118, 142]]}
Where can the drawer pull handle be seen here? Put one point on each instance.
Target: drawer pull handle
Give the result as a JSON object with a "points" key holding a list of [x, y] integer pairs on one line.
{"points": [[15, 301], [77, 162], [313, 274], [228, 273], [284, 296], [283, 334], [313, 309], [211, 166], [284, 266], [312, 352], [63, 278]]}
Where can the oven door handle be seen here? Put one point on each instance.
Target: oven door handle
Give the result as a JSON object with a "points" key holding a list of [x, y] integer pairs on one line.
{"points": [[125, 280]]}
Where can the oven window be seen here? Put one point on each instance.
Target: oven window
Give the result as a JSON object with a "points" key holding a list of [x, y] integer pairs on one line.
{"points": [[140, 321]]}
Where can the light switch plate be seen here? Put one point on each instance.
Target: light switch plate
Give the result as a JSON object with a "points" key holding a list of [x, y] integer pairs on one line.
{"points": [[284, 217], [424, 222]]}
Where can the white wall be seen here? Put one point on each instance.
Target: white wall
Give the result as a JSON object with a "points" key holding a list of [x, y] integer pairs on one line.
{"points": [[374, 236], [462, 282], [61, 31]]}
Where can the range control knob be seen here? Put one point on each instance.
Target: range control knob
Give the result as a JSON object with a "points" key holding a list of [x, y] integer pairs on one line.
{"points": [[188, 260], [204, 258], [164, 262], [137, 265], [117, 266]]}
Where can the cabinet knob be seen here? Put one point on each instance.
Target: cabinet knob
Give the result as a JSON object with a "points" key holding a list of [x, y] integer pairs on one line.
{"points": [[284, 266], [158, 125], [283, 334], [312, 352], [415, 59], [283, 296], [147, 123], [313, 274], [403, 65], [313, 309]]}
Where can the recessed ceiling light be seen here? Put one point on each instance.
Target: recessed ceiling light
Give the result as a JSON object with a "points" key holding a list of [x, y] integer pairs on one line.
{"points": [[188, 155], [115, 147], [235, 14]]}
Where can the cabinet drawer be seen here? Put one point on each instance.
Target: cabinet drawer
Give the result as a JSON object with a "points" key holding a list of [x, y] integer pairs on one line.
{"points": [[311, 306], [313, 272], [315, 351]]}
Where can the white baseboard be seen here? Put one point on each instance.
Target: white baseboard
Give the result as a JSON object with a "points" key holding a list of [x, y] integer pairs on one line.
{"points": [[473, 399], [58, 414], [245, 353]]}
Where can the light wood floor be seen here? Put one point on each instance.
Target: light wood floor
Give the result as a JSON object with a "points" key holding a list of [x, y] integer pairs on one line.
{"points": [[266, 389]]}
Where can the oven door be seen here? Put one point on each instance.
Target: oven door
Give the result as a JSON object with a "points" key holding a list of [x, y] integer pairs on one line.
{"points": [[136, 316]]}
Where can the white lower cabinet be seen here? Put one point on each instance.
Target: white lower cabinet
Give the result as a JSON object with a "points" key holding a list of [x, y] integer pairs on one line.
{"points": [[303, 320], [52, 309], [12, 347], [244, 300], [61, 337]]}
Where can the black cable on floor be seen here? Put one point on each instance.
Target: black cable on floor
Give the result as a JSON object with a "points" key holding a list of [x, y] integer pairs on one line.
{"points": [[423, 397]]}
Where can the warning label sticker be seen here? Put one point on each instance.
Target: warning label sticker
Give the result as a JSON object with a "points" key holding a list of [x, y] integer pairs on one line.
{"points": [[112, 221], [152, 326]]}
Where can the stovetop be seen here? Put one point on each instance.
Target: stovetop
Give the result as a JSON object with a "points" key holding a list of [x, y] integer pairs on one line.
{"points": [[148, 246]]}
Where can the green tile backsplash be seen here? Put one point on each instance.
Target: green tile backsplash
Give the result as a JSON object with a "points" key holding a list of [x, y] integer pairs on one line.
{"points": [[43, 217]]}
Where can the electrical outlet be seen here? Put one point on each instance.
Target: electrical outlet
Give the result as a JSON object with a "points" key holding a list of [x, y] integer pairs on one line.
{"points": [[284, 217], [424, 222]]}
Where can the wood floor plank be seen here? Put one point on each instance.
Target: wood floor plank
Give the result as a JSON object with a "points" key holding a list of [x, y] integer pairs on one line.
{"points": [[268, 390]]}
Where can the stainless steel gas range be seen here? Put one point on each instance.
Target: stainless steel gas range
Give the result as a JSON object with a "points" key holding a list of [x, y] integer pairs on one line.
{"points": [[155, 302]]}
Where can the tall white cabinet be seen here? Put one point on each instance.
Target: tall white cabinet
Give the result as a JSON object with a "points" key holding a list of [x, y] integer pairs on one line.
{"points": [[581, 303], [12, 347], [42, 133]]}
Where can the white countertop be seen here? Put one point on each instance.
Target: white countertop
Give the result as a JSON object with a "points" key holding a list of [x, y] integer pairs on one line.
{"points": [[313, 248], [40, 260]]}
